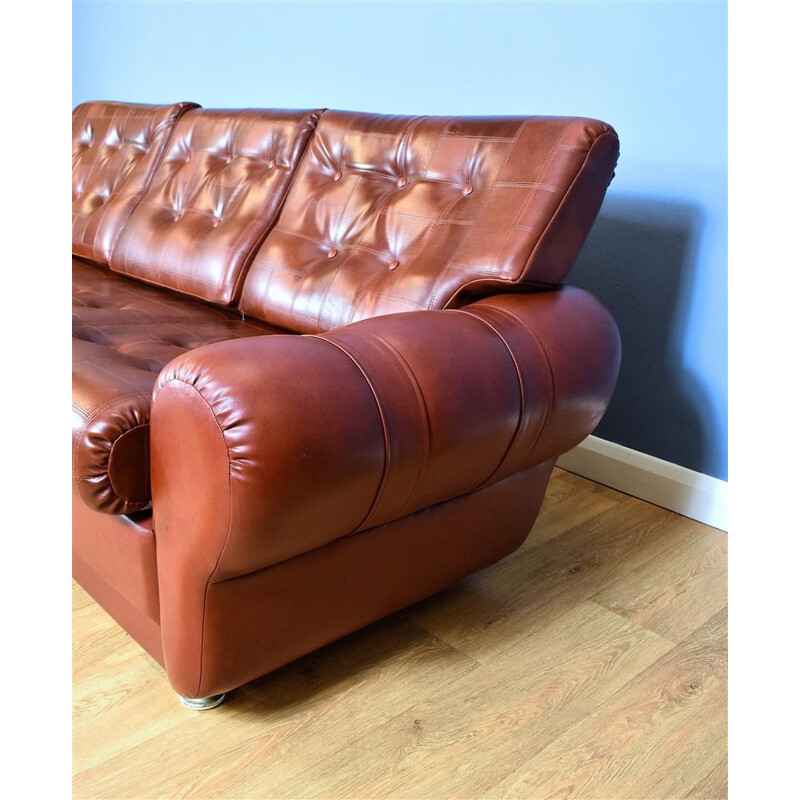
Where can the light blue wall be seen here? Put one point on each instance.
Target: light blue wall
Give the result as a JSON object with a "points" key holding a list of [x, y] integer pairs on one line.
{"points": [[656, 71]]}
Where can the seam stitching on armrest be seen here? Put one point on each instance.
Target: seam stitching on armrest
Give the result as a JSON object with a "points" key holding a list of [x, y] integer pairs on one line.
{"points": [[550, 376], [386, 445], [424, 415], [522, 398]]}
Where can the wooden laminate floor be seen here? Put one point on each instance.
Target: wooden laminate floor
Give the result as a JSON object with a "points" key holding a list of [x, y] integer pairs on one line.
{"points": [[589, 664]]}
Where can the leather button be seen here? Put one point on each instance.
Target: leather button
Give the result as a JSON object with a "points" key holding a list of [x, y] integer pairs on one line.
{"points": [[467, 190], [270, 164], [337, 176], [394, 265], [177, 217], [229, 159], [401, 182], [333, 252]]}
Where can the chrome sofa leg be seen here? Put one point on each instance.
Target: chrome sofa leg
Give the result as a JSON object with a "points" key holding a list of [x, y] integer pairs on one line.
{"points": [[202, 703]]}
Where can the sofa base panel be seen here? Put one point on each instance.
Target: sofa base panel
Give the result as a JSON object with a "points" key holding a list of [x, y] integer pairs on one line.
{"points": [[132, 620], [114, 560], [121, 550], [261, 621]]}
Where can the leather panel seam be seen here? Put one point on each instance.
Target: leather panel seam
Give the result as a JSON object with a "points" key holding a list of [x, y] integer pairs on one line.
{"points": [[522, 397], [384, 425], [550, 377], [424, 415]]}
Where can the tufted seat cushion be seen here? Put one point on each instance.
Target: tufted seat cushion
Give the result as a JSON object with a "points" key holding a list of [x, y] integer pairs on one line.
{"points": [[389, 214], [115, 364], [115, 150], [212, 200]]}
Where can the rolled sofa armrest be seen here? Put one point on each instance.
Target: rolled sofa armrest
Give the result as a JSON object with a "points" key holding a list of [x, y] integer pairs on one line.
{"points": [[566, 344], [266, 448], [271, 446]]}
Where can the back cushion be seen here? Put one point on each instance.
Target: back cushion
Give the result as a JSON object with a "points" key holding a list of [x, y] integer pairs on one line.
{"points": [[390, 214], [115, 149], [212, 200]]}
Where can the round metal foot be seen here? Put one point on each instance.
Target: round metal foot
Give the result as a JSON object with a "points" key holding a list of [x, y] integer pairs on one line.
{"points": [[202, 703]]}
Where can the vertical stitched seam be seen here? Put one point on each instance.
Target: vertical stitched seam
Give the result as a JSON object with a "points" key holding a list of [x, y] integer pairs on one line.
{"points": [[293, 164], [384, 425], [550, 376], [424, 414], [173, 119], [522, 397]]}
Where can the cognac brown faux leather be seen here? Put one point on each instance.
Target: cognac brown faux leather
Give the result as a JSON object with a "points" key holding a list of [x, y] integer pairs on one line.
{"points": [[305, 485], [120, 343], [391, 214], [115, 149], [213, 197]]}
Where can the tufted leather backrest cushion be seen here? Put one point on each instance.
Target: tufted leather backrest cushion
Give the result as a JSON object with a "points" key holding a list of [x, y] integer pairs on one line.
{"points": [[389, 214], [213, 198], [115, 149]]}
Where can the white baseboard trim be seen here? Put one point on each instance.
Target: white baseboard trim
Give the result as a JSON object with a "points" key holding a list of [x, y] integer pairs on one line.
{"points": [[668, 485]]}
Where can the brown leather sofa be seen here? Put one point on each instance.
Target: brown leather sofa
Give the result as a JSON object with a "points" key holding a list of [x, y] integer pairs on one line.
{"points": [[323, 364]]}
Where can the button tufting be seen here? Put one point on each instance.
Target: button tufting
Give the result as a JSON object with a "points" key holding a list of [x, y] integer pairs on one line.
{"points": [[178, 217], [467, 190], [401, 182], [270, 164], [333, 252], [228, 159], [337, 176], [394, 265]]}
